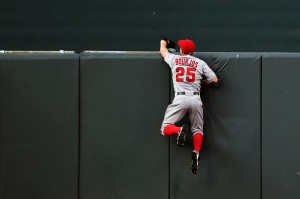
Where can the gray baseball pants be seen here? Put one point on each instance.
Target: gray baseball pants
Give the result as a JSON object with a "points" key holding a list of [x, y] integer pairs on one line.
{"points": [[181, 105]]}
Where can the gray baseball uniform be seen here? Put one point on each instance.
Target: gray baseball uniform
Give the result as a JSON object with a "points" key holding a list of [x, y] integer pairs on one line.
{"points": [[187, 72]]}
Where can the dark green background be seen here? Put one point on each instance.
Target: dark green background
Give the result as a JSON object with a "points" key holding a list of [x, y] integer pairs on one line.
{"points": [[215, 25]]}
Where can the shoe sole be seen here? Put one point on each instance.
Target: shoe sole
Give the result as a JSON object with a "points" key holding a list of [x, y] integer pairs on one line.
{"points": [[195, 163], [182, 136]]}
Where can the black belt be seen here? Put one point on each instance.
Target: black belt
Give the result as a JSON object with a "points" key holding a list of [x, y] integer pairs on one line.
{"points": [[183, 93]]}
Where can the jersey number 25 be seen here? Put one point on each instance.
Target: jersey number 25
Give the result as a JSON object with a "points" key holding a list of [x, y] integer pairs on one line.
{"points": [[189, 74]]}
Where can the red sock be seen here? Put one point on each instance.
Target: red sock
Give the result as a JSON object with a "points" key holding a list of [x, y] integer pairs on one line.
{"points": [[197, 141], [171, 130]]}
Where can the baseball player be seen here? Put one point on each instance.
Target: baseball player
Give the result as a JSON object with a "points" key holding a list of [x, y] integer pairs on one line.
{"points": [[187, 74]]}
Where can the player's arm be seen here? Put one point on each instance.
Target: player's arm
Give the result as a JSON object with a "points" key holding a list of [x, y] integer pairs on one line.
{"points": [[163, 48], [210, 76]]}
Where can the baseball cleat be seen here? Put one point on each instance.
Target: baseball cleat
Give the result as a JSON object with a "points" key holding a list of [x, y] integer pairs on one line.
{"points": [[181, 138], [195, 162]]}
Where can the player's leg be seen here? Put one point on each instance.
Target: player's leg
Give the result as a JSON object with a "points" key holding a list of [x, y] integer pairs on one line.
{"points": [[196, 118], [170, 129], [174, 113], [197, 141]]}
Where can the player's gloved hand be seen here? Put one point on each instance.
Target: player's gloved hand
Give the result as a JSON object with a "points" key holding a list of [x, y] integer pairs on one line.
{"points": [[171, 45]]}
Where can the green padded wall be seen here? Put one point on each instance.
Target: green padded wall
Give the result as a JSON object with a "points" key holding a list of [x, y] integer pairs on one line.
{"points": [[280, 129], [230, 158], [39, 126], [123, 154]]}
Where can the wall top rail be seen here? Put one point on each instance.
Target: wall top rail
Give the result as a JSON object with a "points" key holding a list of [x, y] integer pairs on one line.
{"points": [[122, 52], [35, 52]]}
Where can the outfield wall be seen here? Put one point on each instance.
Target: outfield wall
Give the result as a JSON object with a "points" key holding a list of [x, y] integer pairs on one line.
{"points": [[88, 126]]}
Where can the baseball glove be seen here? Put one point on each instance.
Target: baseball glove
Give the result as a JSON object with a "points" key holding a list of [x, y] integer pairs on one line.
{"points": [[170, 43]]}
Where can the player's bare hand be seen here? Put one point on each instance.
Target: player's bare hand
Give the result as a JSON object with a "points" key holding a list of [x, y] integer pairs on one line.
{"points": [[163, 43], [214, 81], [205, 82]]}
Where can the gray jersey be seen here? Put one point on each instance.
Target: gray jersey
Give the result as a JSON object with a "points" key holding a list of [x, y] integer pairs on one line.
{"points": [[187, 72]]}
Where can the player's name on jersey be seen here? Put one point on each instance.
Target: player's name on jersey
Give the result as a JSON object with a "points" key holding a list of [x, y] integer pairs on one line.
{"points": [[186, 61]]}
